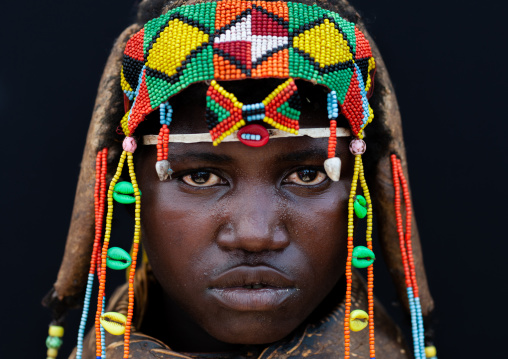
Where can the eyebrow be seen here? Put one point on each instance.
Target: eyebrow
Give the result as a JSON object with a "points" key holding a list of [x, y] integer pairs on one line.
{"points": [[203, 157], [303, 155]]}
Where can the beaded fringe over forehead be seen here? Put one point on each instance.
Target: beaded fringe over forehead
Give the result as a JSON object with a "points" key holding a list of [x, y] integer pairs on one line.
{"points": [[234, 40]]}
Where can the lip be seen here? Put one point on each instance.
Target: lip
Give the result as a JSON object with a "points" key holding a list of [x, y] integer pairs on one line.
{"points": [[229, 288]]}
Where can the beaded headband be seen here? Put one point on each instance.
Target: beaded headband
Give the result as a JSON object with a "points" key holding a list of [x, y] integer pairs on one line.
{"points": [[234, 40], [273, 133]]}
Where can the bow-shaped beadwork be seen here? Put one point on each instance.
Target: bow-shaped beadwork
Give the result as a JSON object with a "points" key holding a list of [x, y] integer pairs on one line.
{"points": [[225, 114]]}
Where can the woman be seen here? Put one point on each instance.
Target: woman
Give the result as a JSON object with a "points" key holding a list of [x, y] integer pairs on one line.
{"points": [[249, 243]]}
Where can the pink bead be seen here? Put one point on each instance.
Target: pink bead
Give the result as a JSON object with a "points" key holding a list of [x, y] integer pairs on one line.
{"points": [[129, 144], [357, 147]]}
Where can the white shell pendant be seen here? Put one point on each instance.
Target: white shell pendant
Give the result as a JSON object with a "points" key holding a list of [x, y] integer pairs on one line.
{"points": [[162, 168], [332, 168]]}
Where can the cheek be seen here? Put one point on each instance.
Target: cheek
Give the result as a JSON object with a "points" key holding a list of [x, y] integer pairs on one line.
{"points": [[320, 229], [177, 234]]}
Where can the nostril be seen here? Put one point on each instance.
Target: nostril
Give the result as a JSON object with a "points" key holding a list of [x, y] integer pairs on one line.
{"points": [[253, 237]]}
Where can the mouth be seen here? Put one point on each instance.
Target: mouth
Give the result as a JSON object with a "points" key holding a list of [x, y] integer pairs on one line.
{"points": [[248, 288]]}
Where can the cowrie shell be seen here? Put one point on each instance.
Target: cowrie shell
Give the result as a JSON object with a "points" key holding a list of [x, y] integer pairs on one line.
{"points": [[362, 257], [360, 206], [114, 322], [118, 258], [124, 193], [358, 320]]}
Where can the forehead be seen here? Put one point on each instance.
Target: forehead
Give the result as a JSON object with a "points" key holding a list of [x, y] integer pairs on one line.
{"points": [[189, 106]]}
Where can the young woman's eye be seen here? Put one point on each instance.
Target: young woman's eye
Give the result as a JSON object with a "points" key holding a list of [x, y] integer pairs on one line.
{"points": [[202, 179], [306, 177]]}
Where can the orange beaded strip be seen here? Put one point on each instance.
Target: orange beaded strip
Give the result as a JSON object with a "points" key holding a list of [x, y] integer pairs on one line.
{"points": [[332, 140], [99, 195], [162, 143], [398, 179], [406, 250], [104, 254]]}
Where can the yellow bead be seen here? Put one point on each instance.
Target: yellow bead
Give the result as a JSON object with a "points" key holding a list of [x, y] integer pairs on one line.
{"points": [[56, 331], [430, 351], [52, 353]]}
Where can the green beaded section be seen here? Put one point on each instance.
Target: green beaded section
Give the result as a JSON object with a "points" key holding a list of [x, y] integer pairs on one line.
{"points": [[203, 13], [299, 67], [339, 81], [221, 112], [288, 111], [200, 68], [158, 90], [301, 14]]}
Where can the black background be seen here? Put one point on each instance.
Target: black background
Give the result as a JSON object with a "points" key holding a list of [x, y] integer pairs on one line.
{"points": [[448, 62]]}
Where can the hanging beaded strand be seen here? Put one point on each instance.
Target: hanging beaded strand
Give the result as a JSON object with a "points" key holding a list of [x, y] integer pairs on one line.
{"points": [[349, 273], [359, 256], [370, 268], [104, 253], [406, 249], [163, 166], [135, 248], [332, 163], [99, 196]]}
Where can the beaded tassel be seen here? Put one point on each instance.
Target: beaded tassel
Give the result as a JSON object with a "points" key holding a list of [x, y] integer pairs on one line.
{"points": [[104, 253], [406, 249], [162, 166], [370, 268], [117, 323], [99, 195], [135, 248], [162, 143], [332, 163], [360, 257], [349, 273]]}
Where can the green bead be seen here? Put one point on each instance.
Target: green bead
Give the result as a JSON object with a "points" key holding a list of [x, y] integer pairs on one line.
{"points": [[118, 258], [124, 193], [362, 257], [53, 342], [360, 206]]}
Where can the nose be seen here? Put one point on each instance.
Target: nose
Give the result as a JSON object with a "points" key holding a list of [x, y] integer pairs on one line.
{"points": [[254, 222]]}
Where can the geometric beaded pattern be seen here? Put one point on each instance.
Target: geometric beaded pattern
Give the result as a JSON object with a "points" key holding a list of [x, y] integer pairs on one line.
{"points": [[225, 114], [235, 39]]}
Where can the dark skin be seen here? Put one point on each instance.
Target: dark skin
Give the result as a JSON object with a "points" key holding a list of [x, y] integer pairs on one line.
{"points": [[268, 215]]}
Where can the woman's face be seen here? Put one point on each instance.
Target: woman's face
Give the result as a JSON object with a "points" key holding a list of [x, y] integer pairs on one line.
{"points": [[246, 241]]}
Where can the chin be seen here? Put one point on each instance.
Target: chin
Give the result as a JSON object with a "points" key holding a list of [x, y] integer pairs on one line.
{"points": [[260, 329]]}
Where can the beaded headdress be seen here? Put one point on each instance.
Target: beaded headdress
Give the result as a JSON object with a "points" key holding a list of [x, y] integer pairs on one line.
{"points": [[234, 40]]}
